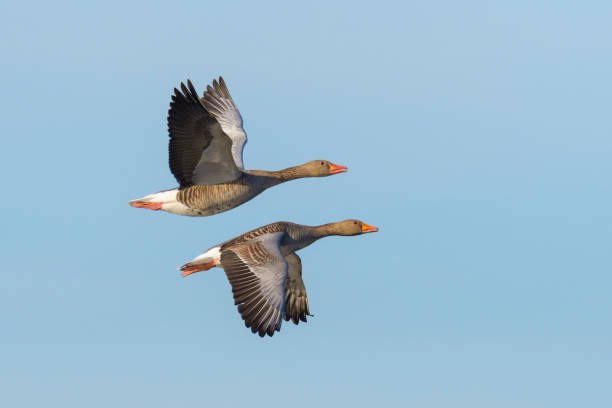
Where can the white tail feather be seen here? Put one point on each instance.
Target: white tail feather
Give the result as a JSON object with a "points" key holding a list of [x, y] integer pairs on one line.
{"points": [[213, 254], [166, 196]]}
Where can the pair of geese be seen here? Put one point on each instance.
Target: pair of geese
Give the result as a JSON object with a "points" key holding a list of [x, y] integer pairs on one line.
{"points": [[205, 156]]}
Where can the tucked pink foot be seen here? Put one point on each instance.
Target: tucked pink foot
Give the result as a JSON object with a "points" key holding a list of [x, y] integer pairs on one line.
{"points": [[148, 205], [188, 270]]}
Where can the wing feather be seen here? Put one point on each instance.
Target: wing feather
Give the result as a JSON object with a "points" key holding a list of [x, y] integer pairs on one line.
{"points": [[221, 105], [296, 303], [190, 127], [257, 272], [206, 136]]}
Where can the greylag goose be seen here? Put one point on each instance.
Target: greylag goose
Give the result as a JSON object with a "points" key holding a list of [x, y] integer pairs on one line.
{"points": [[266, 274], [205, 157]]}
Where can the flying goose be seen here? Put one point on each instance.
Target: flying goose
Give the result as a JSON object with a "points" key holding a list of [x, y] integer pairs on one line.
{"points": [[205, 157], [265, 272]]}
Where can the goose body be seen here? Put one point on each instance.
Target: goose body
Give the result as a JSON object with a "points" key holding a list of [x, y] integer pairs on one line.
{"points": [[205, 157], [265, 272]]}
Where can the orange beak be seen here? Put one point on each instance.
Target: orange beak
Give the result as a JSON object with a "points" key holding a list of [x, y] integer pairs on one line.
{"points": [[365, 228], [335, 168]]}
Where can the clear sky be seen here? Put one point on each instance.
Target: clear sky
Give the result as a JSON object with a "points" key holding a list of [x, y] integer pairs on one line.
{"points": [[478, 137]]}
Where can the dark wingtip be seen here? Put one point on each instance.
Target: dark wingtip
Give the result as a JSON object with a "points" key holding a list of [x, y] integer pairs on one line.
{"points": [[192, 89], [223, 86], [184, 89]]}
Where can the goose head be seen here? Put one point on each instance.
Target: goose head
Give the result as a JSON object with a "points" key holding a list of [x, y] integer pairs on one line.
{"points": [[352, 227], [322, 168]]}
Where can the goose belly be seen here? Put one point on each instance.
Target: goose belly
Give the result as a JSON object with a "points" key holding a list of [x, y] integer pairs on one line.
{"points": [[203, 201]]}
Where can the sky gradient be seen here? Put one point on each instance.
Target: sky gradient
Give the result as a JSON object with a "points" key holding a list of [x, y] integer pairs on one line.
{"points": [[477, 137]]}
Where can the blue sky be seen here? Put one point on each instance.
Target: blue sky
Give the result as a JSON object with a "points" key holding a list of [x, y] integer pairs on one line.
{"points": [[477, 136]]}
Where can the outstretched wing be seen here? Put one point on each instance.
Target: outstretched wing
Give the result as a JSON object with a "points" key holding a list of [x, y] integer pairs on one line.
{"points": [[200, 152], [257, 272], [219, 103], [296, 300]]}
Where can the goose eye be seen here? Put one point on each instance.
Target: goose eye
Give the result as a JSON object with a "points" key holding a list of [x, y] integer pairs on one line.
{"points": [[322, 163]]}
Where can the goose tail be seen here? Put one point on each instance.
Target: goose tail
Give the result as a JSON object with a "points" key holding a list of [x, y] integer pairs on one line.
{"points": [[203, 262]]}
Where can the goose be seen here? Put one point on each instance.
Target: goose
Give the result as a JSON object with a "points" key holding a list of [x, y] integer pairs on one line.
{"points": [[205, 157], [265, 273]]}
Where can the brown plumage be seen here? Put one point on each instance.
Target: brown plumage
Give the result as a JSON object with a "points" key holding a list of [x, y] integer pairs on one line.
{"points": [[265, 272], [205, 157], [296, 301]]}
